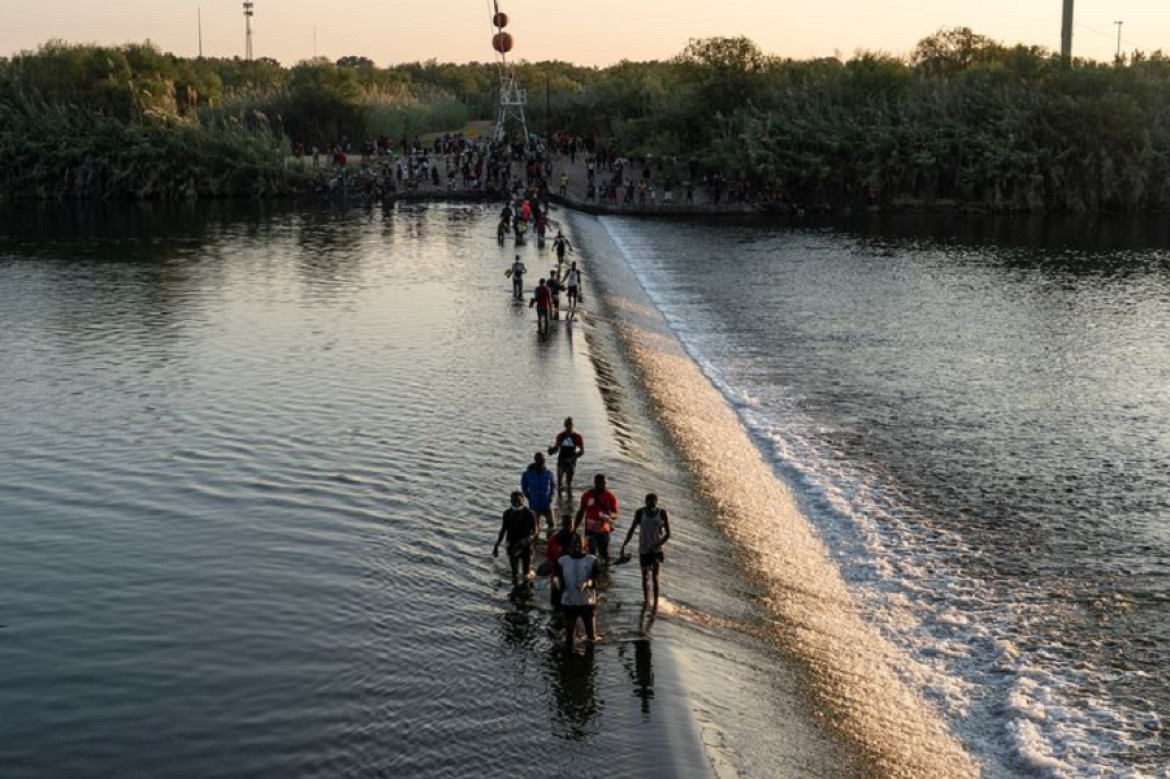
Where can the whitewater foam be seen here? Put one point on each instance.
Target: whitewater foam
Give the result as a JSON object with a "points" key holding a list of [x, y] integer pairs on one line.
{"points": [[964, 643]]}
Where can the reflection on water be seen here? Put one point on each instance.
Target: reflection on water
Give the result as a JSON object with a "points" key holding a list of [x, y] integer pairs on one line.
{"points": [[572, 679], [641, 670], [521, 621], [253, 461]]}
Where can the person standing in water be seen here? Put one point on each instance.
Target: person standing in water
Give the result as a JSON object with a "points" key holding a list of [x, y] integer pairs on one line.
{"points": [[599, 509], [559, 543], [655, 529], [577, 574], [562, 245], [518, 271], [573, 285], [540, 487], [542, 299], [520, 528], [569, 447]]}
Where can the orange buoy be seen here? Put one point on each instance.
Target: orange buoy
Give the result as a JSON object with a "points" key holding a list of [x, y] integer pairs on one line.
{"points": [[500, 20], [502, 42]]}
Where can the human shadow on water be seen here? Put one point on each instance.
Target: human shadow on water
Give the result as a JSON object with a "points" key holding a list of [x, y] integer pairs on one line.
{"points": [[572, 679], [520, 621], [641, 666]]}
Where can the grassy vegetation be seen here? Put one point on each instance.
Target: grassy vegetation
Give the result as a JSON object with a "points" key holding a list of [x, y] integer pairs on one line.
{"points": [[963, 118]]}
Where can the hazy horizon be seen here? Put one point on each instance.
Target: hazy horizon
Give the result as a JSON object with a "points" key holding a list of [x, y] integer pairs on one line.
{"points": [[458, 30]]}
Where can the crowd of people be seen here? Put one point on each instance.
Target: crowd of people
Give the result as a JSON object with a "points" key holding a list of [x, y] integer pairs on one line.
{"points": [[448, 162], [576, 546], [455, 161]]}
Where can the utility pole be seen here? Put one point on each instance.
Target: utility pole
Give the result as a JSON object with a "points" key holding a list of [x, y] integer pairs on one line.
{"points": [[314, 41], [1066, 28], [1118, 55], [200, 32], [248, 12]]}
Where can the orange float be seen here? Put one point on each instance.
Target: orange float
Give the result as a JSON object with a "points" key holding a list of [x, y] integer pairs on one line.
{"points": [[502, 42]]}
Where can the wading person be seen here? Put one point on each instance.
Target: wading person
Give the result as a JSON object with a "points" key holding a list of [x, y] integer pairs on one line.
{"points": [[655, 531], [559, 543], [519, 527], [542, 299], [539, 486], [554, 287], [562, 245], [568, 447], [518, 271], [577, 573], [573, 287], [599, 509]]}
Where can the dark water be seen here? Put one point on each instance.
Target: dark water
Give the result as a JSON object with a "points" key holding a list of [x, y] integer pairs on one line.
{"points": [[251, 467], [976, 418]]}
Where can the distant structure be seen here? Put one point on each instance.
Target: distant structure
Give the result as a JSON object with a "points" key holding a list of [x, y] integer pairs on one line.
{"points": [[248, 13], [1066, 33], [512, 96]]}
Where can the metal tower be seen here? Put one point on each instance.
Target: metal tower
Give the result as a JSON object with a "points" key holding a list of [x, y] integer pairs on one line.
{"points": [[1066, 32], [248, 13], [512, 95]]}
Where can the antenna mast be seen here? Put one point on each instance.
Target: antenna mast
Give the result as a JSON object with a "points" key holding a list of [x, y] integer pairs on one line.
{"points": [[248, 13], [512, 96]]}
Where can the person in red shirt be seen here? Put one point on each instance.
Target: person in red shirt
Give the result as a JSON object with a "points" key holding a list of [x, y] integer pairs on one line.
{"points": [[599, 509], [542, 299], [568, 447], [559, 544]]}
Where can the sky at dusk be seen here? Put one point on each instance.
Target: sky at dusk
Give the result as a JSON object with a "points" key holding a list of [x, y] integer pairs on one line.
{"points": [[595, 33]]}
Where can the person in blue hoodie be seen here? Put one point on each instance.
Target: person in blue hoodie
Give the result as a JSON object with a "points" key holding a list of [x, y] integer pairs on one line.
{"points": [[539, 486]]}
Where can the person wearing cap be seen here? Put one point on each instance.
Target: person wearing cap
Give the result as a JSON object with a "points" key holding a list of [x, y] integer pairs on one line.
{"points": [[599, 510], [577, 574], [520, 527], [539, 486]]}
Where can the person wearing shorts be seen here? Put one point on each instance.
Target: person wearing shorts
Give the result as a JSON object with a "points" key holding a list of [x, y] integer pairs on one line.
{"points": [[599, 510], [655, 531], [562, 245], [568, 447], [573, 286], [542, 299], [577, 575], [520, 528]]}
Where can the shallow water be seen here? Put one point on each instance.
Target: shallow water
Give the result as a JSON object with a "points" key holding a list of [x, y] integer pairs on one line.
{"points": [[252, 463], [974, 417]]}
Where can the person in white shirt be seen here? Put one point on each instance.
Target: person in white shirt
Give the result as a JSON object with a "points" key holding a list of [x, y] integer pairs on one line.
{"points": [[577, 575], [518, 271], [573, 285]]}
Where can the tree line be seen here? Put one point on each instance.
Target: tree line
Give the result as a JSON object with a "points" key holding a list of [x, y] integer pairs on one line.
{"points": [[963, 119]]}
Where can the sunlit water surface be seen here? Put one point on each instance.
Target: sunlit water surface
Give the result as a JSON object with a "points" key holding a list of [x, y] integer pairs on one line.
{"points": [[976, 417], [252, 462]]}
